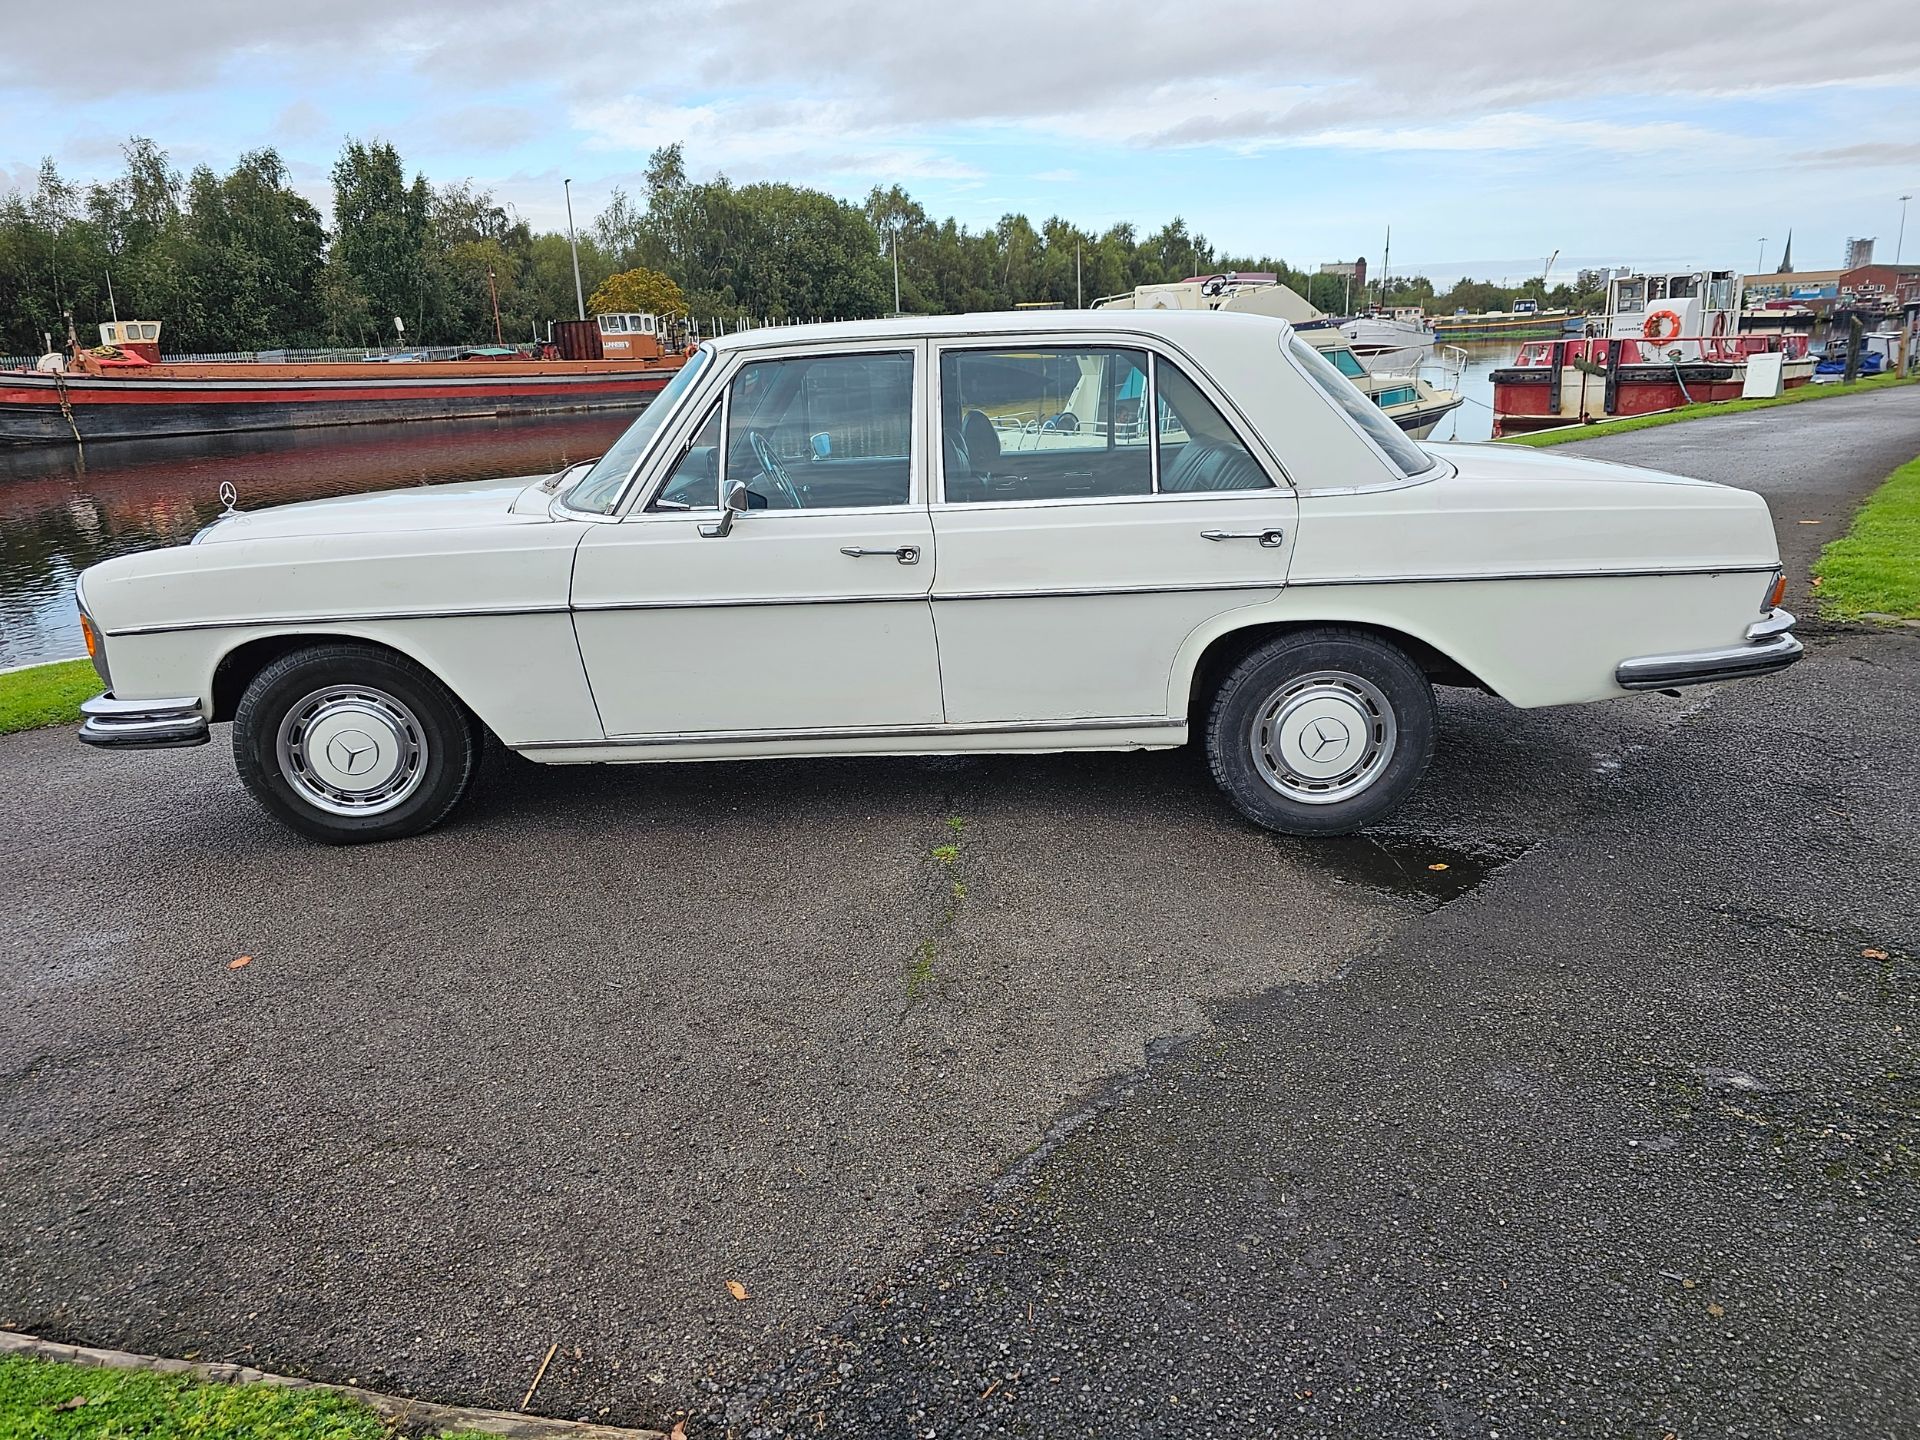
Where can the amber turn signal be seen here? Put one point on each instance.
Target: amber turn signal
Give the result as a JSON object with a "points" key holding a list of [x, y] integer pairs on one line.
{"points": [[86, 632], [1774, 597]]}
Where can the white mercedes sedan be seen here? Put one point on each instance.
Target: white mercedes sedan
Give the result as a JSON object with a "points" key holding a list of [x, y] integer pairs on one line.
{"points": [[1104, 530]]}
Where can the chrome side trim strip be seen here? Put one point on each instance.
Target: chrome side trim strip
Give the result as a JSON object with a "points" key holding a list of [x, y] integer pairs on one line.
{"points": [[854, 732], [600, 607], [1071, 592], [1295, 583], [351, 618]]}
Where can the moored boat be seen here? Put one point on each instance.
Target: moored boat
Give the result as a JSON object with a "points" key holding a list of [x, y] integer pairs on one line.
{"points": [[1666, 340], [1525, 320], [1404, 398], [124, 389], [1396, 341]]}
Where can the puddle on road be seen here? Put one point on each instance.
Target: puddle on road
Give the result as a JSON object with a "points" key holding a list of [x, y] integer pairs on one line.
{"points": [[1410, 867]]}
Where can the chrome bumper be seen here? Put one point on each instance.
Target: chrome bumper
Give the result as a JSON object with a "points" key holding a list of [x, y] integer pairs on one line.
{"points": [[142, 724], [1770, 646]]}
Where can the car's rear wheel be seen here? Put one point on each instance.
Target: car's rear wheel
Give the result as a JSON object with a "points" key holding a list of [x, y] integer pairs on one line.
{"points": [[350, 743], [1321, 732]]}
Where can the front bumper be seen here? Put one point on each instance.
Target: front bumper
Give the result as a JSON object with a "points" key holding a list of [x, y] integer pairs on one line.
{"points": [[142, 724], [1770, 646]]}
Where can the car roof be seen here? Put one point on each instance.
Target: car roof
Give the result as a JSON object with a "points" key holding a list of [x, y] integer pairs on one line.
{"points": [[1188, 328]]}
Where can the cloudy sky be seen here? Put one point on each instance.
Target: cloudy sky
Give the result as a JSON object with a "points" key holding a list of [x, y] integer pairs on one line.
{"points": [[1487, 134]]}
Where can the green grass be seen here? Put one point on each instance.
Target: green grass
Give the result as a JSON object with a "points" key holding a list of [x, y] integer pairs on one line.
{"points": [[46, 695], [1875, 567], [49, 1400], [1697, 412]]}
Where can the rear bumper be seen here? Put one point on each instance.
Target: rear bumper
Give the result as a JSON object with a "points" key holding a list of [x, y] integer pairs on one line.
{"points": [[142, 724], [1770, 646]]}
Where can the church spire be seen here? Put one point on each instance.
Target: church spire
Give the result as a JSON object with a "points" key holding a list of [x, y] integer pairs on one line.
{"points": [[1786, 256]]}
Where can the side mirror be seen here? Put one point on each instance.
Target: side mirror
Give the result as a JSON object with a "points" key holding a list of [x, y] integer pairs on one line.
{"points": [[822, 445], [732, 504]]}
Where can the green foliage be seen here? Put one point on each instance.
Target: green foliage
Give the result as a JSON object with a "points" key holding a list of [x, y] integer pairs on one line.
{"points": [[637, 291], [46, 695], [1875, 568], [239, 261]]}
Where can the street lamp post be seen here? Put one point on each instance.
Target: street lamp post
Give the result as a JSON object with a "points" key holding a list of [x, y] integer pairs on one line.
{"points": [[895, 247], [494, 291], [1760, 265], [579, 297], [1901, 239]]}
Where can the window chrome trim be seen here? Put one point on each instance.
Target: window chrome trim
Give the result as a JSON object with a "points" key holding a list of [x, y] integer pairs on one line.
{"points": [[854, 732], [1156, 347]]}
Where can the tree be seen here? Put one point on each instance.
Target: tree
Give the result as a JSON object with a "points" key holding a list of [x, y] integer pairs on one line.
{"points": [[645, 292], [380, 232]]}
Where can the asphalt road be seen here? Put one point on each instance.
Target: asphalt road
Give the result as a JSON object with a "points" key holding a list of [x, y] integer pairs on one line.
{"points": [[560, 1071], [1814, 462]]}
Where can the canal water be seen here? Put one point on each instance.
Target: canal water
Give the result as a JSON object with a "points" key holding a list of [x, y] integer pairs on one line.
{"points": [[60, 514]]}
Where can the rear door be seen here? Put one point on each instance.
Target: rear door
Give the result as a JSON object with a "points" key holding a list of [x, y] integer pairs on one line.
{"points": [[1097, 505]]}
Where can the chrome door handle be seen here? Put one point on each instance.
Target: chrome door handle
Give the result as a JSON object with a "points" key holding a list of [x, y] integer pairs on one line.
{"points": [[1271, 539], [905, 554]]}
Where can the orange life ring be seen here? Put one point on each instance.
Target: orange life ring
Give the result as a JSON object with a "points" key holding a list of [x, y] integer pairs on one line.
{"points": [[1653, 330]]}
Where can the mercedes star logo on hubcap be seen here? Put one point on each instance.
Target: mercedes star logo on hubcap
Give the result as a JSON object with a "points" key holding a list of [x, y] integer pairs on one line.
{"points": [[1322, 736], [352, 752]]}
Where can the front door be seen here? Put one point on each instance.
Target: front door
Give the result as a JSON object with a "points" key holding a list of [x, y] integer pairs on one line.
{"points": [[810, 612], [1098, 508]]}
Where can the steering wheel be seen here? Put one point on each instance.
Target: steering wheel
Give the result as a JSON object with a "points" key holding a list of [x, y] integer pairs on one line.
{"points": [[773, 469]]}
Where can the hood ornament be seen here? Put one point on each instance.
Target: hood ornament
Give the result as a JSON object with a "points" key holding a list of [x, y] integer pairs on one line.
{"points": [[229, 496]]}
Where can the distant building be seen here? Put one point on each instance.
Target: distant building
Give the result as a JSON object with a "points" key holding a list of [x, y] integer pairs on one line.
{"points": [[1859, 253], [1872, 286], [1786, 285], [1355, 270]]}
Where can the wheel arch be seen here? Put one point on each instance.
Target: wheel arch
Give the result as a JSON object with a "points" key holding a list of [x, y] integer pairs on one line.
{"points": [[238, 665], [1211, 653]]}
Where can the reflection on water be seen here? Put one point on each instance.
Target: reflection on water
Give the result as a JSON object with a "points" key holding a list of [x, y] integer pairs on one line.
{"points": [[1473, 420], [58, 516]]}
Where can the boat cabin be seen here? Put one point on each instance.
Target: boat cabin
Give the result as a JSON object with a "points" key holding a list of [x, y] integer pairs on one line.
{"points": [[133, 337], [631, 337], [1694, 312]]}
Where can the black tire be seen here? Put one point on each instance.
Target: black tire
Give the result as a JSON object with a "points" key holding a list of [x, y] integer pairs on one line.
{"points": [[1331, 688], [427, 724]]}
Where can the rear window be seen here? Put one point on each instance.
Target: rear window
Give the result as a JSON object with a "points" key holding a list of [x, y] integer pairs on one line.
{"points": [[1406, 455]]}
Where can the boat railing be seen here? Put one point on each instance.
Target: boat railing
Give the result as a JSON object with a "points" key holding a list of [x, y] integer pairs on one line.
{"points": [[1713, 349]]}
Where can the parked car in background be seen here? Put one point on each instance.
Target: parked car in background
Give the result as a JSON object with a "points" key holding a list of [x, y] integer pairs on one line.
{"points": [[1055, 531]]}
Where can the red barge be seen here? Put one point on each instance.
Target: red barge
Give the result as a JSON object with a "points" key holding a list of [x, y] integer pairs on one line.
{"points": [[1665, 341], [125, 390]]}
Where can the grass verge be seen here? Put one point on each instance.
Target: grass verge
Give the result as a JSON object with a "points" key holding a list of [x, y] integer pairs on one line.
{"points": [[46, 695], [48, 1400], [1800, 396], [1874, 569]]}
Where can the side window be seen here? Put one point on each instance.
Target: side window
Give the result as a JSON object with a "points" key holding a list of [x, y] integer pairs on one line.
{"points": [[695, 481], [1199, 450], [1044, 424], [820, 432]]}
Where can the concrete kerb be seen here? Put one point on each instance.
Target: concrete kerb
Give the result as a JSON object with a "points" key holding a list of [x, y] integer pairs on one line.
{"points": [[410, 1416]]}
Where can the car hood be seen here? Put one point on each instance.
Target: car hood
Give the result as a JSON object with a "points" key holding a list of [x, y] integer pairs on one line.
{"points": [[455, 506], [1531, 464]]}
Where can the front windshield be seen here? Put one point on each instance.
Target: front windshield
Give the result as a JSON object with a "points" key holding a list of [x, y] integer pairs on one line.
{"points": [[598, 491], [1400, 448]]}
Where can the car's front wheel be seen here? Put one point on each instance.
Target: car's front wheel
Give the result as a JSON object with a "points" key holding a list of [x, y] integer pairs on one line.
{"points": [[350, 743], [1321, 732]]}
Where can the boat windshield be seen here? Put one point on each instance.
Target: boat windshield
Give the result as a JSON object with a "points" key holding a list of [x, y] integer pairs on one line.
{"points": [[599, 490], [1407, 456]]}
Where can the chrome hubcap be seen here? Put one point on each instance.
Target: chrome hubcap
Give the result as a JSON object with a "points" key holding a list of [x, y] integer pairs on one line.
{"points": [[1323, 737], [352, 750]]}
